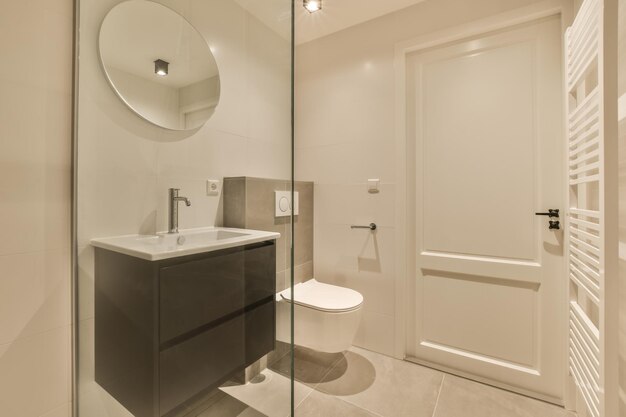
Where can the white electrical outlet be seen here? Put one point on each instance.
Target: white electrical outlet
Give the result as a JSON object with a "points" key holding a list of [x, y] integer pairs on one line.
{"points": [[212, 187]]}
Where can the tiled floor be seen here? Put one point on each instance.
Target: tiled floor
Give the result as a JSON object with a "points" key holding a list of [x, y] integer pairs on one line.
{"points": [[360, 383]]}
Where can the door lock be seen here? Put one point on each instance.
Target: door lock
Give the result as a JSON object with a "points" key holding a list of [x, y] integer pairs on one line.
{"points": [[552, 214]]}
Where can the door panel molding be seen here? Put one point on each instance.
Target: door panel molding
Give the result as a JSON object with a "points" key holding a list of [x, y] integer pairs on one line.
{"points": [[486, 359], [492, 279], [511, 269], [456, 82]]}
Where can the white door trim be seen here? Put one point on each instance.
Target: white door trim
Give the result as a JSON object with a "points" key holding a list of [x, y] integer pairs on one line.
{"points": [[406, 248]]}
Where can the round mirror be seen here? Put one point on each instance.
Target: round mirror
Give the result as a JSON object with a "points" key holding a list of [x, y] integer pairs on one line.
{"points": [[159, 65]]}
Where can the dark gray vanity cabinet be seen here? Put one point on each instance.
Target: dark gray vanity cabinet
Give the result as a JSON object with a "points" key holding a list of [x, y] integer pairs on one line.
{"points": [[169, 331]]}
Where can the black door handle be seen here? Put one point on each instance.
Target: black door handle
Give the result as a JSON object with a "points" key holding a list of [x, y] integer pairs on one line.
{"points": [[551, 213], [552, 224]]}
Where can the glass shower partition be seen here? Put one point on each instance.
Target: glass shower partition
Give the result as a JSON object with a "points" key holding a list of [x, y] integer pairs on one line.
{"points": [[183, 164]]}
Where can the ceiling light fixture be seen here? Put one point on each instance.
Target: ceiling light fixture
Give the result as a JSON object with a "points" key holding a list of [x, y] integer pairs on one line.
{"points": [[313, 5], [161, 68]]}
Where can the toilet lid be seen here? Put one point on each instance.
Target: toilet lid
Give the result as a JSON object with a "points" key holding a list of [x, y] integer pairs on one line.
{"points": [[324, 297]]}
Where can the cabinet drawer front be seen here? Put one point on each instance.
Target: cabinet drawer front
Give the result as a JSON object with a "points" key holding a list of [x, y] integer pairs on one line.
{"points": [[260, 272], [196, 293], [201, 363], [260, 331], [199, 292]]}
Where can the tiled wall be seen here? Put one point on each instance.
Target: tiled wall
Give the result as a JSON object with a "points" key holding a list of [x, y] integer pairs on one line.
{"points": [[346, 133], [35, 192], [126, 165], [249, 203]]}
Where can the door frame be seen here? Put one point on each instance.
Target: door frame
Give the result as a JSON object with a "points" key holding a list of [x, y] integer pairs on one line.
{"points": [[405, 258]]}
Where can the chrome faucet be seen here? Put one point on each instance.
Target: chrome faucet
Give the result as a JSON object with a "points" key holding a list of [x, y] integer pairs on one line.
{"points": [[174, 199]]}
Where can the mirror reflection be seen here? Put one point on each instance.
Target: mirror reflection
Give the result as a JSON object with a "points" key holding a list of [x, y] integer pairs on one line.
{"points": [[159, 65]]}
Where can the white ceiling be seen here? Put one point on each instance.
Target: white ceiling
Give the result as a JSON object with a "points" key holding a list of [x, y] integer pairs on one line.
{"points": [[276, 14], [341, 14], [334, 16]]}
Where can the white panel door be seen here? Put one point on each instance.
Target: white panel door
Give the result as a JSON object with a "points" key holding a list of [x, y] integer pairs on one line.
{"points": [[489, 285]]}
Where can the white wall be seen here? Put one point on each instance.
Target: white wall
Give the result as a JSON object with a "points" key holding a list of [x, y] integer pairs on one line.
{"points": [[126, 165], [35, 187], [345, 134]]}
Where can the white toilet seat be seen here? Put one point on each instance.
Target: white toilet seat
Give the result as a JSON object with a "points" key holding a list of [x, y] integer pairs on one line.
{"points": [[323, 297], [325, 317]]}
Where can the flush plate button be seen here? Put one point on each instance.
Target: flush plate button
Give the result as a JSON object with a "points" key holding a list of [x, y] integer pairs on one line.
{"points": [[283, 204]]}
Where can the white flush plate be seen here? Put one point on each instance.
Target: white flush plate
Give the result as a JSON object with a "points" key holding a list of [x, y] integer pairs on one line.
{"points": [[283, 203]]}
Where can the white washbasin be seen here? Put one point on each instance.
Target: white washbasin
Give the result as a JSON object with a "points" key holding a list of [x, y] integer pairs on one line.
{"points": [[186, 242]]}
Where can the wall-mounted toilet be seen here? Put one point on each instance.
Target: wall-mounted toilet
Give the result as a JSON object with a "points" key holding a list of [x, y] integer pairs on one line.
{"points": [[326, 316]]}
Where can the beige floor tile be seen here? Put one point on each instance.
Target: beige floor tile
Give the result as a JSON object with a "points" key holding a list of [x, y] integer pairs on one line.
{"points": [[383, 385], [310, 367], [199, 406], [463, 398], [227, 406], [322, 405], [217, 404], [94, 401], [269, 393]]}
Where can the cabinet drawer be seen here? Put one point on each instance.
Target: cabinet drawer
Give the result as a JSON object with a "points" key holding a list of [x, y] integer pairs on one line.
{"points": [[201, 363], [199, 292], [260, 272], [260, 331], [196, 293]]}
